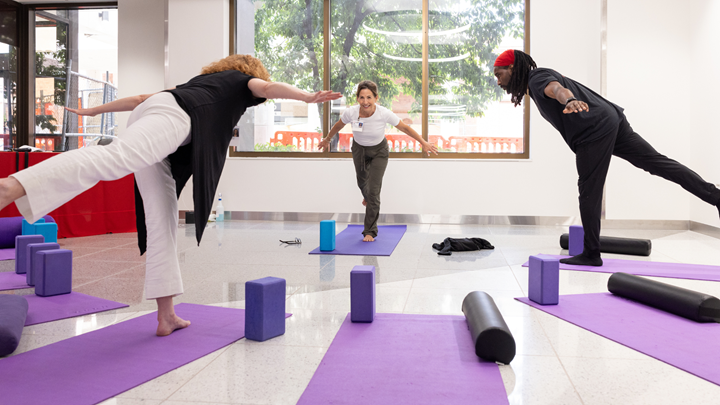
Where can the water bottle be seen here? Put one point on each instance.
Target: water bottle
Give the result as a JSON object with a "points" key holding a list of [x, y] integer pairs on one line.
{"points": [[219, 210]]}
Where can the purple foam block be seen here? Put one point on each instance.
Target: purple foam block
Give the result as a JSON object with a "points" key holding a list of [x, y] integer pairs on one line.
{"points": [[10, 227], [21, 243], [544, 280], [264, 308], [30, 257], [47, 229], [576, 241], [52, 272], [362, 294]]}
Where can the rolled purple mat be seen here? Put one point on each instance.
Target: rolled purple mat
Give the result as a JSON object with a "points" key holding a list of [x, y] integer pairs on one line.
{"points": [[10, 227]]}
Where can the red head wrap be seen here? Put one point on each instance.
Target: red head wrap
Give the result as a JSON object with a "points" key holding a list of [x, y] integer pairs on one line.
{"points": [[506, 58]]}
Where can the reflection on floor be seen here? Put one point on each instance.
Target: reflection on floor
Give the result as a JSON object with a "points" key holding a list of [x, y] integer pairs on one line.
{"points": [[557, 363]]}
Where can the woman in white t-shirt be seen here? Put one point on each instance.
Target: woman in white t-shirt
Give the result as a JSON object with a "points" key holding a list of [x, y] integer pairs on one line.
{"points": [[370, 148]]}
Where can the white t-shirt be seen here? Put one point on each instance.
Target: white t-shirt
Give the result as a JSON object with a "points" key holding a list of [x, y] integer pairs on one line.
{"points": [[369, 131]]}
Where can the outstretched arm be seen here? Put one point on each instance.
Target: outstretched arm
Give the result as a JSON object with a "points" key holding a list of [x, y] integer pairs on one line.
{"points": [[564, 96], [123, 104], [427, 147], [325, 142], [262, 89]]}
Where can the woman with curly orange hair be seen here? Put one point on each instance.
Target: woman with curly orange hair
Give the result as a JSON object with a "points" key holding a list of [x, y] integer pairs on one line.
{"points": [[170, 136]]}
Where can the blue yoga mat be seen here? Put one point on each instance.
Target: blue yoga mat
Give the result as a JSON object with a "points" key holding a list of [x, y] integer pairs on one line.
{"points": [[350, 241]]}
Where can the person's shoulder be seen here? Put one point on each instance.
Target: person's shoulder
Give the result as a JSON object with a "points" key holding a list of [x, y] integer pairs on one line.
{"points": [[544, 72], [384, 110], [348, 112]]}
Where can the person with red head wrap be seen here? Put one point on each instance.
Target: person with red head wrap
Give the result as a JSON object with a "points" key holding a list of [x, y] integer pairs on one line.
{"points": [[595, 129]]}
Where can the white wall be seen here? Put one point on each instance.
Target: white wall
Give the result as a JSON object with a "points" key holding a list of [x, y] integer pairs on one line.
{"points": [[141, 47], [698, 86], [643, 56], [648, 44], [660, 68]]}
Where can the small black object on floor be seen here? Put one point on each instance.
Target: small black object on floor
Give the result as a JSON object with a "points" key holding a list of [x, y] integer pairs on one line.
{"points": [[450, 245]]}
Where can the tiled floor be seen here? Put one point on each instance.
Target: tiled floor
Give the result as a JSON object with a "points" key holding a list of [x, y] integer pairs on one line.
{"points": [[557, 363]]}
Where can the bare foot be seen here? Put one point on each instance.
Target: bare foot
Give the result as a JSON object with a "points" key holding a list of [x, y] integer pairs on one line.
{"points": [[368, 238], [364, 203], [168, 326], [168, 321]]}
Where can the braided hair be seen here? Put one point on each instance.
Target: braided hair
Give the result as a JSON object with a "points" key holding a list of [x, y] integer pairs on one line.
{"points": [[518, 85]]}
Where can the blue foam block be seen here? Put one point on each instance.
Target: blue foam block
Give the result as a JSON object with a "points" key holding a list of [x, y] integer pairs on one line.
{"points": [[544, 280], [327, 235], [576, 240], [49, 230], [362, 294], [28, 228], [264, 308], [21, 242], [30, 258], [52, 272]]}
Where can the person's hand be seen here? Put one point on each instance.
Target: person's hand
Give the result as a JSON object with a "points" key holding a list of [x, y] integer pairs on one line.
{"points": [[428, 147], [81, 111], [324, 144], [323, 96], [575, 106]]}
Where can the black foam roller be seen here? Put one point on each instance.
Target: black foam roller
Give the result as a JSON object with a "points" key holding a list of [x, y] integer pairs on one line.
{"points": [[623, 246], [13, 311], [491, 335], [689, 304]]}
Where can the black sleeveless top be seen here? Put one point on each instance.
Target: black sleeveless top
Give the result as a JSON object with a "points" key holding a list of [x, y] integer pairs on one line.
{"points": [[215, 102]]}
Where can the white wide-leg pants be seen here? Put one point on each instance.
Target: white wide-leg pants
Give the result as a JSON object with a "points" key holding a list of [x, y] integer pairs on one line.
{"points": [[156, 128]]}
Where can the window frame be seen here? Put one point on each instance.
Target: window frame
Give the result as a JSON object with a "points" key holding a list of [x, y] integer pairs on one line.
{"points": [[25, 113], [525, 155]]}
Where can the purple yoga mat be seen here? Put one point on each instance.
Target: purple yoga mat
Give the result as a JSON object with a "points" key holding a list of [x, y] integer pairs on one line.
{"points": [[646, 268], [98, 365], [47, 309], [7, 254], [9, 280], [350, 241], [679, 342], [405, 360]]}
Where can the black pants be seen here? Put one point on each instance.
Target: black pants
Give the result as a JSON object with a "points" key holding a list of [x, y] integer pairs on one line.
{"points": [[370, 164], [593, 160]]}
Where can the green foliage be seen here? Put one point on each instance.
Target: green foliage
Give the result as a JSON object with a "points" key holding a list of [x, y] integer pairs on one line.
{"points": [[277, 147], [46, 122], [289, 41]]}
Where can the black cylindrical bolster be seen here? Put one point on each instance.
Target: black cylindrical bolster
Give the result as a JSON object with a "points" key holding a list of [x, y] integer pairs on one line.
{"points": [[623, 246], [491, 335], [689, 304]]}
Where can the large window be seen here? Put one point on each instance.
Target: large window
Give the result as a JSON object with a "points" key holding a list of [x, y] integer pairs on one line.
{"points": [[432, 61], [75, 66]]}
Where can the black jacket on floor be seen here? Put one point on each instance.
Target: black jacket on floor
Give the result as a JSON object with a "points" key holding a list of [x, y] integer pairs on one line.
{"points": [[450, 245]]}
